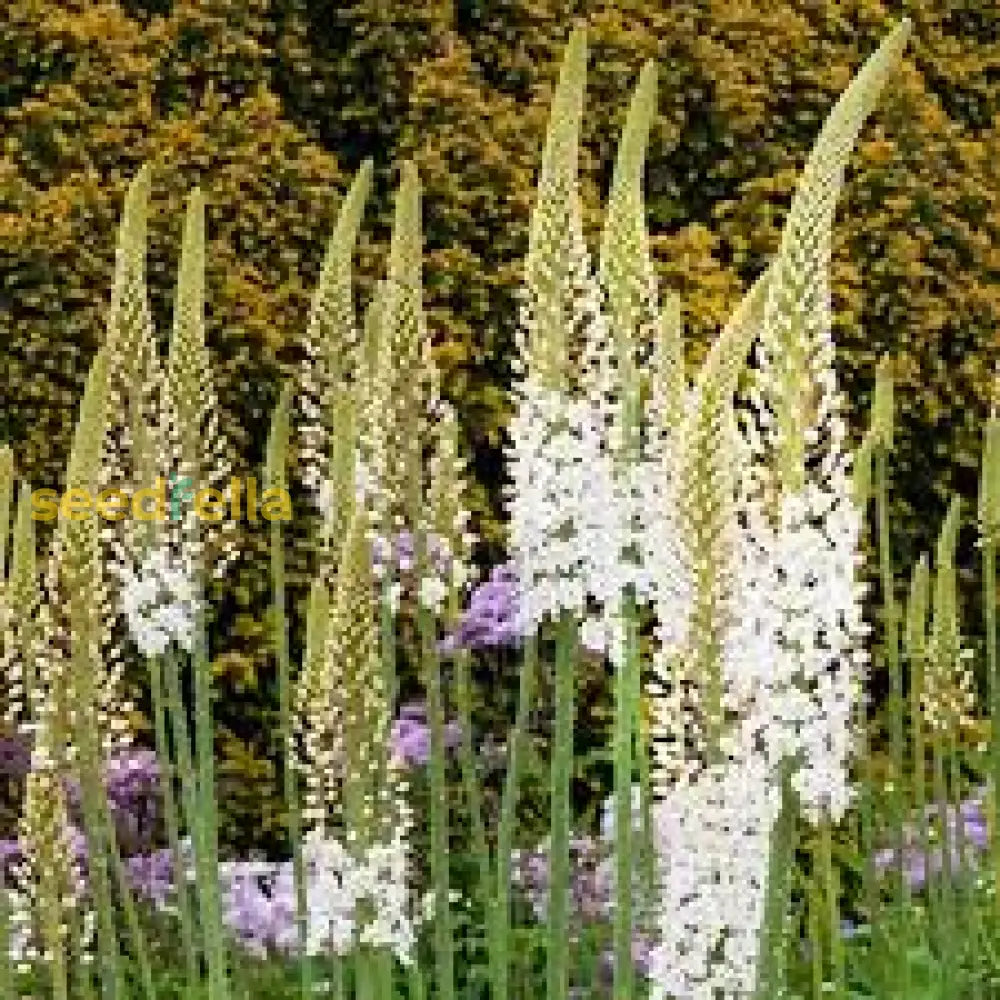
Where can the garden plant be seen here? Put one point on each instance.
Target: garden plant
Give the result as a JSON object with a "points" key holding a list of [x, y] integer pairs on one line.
{"points": [[769, 832]]}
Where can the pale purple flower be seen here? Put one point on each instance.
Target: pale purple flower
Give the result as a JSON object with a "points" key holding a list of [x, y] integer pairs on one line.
{"points": [[411, 735], [969, 815], [132, 781], [491, 618], [152, 875], [259, 906]]}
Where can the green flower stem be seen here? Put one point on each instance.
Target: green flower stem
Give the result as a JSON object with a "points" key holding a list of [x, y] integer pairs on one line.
{"points": [[289, 783], [562, 769], [383, 974], [337, 990], [364, 980], [946, 898], [993, 691], [102, 845], [895, 671], [771, 969], [473, 795], [919, 756], [88, 771], [625, 712], [189, 791], [815, 946], [647, 856], [207, 819], [416, 978], [500, 936], [443, 942], [6, 972], [831, 892], [170, 814]]}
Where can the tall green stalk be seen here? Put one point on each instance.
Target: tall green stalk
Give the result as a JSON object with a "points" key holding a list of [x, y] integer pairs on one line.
{"points": [[207, 818], [500, 918], [473, 794], [562, 770], [275, 477], [6, 970], [773, 934], [831, 897], [989, 532], [6, 498], [625, 687], [993, 682], [443, 943], [156, 683], [891, 619], [289, 783]]}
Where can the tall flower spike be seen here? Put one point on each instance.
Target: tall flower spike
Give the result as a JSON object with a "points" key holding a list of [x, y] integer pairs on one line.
{"points": [[6, 496], [23, 595], [318, 740], [797, 344], [276, 454], [948, 700], [50, 875], [352, 642], [626, 271], [331, 334], [562, 473], [446, 492], [197, 443], [989, 482], [883, 408], [132, 455], [339, 491], [370, 485], [542, 344], [129, 336], [694, 563], [355, 792], [76, 586], [915, 633], [403, 345], [668, 384]]}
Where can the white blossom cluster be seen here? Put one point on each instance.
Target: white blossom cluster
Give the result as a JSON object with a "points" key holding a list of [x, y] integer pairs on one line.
{"points": [[160, 603], [713, 843], [355, 900]]}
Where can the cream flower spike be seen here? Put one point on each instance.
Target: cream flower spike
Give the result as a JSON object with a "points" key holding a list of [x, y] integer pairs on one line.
{"points": [[331, 338]]}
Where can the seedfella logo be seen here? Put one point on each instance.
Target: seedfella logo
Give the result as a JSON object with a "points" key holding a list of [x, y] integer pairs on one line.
{"points": [[158, 503]]}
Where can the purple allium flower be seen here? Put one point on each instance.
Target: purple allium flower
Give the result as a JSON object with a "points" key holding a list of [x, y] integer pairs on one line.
{"points": [[591, 892], [152, 875], [259, 905], [969, 815], [132, 780], [411, 735], [492, 616]]}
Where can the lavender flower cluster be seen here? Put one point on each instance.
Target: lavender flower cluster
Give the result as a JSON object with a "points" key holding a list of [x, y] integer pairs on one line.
{"points": [[492, 617], [411, 735], [592, 886], [966, 824]]}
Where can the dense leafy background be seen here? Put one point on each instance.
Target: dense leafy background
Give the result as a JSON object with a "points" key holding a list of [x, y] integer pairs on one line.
{"points": [[270, 106]]}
